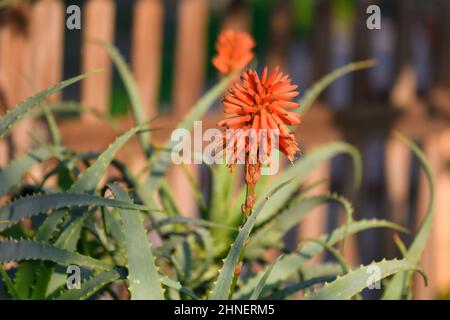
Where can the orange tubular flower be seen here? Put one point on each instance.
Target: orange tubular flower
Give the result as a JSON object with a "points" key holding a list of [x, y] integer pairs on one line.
{"points": [[234, 51], [259, 106]]}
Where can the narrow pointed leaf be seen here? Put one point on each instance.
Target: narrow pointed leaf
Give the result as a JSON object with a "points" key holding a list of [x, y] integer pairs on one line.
{"points": [[32, 205], [11, 175], [300, 171], [357, 280], [87, 182], [18, 250], [272, 232], [137, 107], [291, 263], [396, 287], [145, 282], [92, 285], [314, 92], [222, 287], [89, 179], [16, 113], [261, 283], [9, 284]]}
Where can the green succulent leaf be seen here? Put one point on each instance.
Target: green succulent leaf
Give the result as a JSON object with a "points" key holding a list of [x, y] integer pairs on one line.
{"points": [[314, 92], [16, 113], [18, 250], [92, 285], [222, 287], [32, 205], [49, 227], [24, 278], [270, 234], [145, 282], [291, 263], [222, 182], [88, 180], [397, 287], [9, 284], [173, 284], [357, 280], [43, 271], [113, 229], [11, 175], [322, 269], [30, 271], [137, 107], [193, 221], [334, 253], [261, 283], [296, 287], [300, 170]]}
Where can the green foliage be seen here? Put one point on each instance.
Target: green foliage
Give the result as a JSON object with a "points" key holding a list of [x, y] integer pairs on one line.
{"points": [[9, 284], [11, 175], [299, 172], [142, 272], [18, 250], [292, 263], [222, 288], [40, 203], [357, 280], [270, 234], [314, 92], [91, 286], [260, 286], [398, 286], [88, 180], [133, 93], [16, 113], [77, 223]]}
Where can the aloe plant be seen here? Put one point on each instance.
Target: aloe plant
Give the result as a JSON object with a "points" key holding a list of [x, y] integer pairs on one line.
{"points": [[105, 229]]}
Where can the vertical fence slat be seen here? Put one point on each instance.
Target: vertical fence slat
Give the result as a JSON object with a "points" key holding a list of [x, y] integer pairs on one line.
{"points": [[47, 45], [237, 16], [4, 153], [190, 53], [398, 164], [321, 38], [189, 75], [148, 30], [443, 64], [406, 75], [280, 32], [99, 17], [361, 87], [441, 259], [15, 58]]}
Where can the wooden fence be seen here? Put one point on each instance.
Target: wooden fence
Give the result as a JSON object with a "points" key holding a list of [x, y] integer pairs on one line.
{"points": [[31, 47]]}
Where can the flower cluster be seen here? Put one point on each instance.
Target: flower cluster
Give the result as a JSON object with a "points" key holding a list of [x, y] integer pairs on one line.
{"points": [[260, 110], [234, 51], [260, 104]]}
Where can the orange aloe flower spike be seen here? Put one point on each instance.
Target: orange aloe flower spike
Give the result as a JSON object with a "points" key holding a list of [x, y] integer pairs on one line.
{"points": [[234, 51], [259, 103]]}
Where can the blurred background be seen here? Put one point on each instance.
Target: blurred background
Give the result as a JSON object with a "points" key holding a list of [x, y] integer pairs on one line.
{"points": [[169, 45]]}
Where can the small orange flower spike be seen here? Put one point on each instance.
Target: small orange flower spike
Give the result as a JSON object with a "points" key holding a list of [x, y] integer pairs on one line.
{"points": [[234, 51]]}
